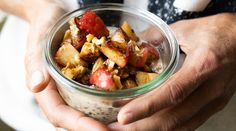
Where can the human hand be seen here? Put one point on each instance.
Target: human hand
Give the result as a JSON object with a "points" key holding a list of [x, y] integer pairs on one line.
{"points": [[203, 85], [39, 81], [40, 21], [63, 116]]}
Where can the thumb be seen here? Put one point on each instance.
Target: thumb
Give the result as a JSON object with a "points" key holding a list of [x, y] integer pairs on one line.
{"points": [[37, 76]]}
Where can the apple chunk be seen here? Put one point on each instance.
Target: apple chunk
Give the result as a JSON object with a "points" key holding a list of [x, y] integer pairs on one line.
{"points": [[74, 72], [89, 52], [77, 36], [137, 56], [68, 54], [129, 31], [119, 36], [152, 51], [144, 77], [114, 55]]}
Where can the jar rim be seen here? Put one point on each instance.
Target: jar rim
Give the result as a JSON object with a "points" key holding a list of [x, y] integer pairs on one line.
{"points": [[131, 92]]}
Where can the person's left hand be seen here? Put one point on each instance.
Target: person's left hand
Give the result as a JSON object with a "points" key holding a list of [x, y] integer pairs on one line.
{"points": [[203, 85]]}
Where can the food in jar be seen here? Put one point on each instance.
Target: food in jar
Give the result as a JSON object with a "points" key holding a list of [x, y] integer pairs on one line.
{"points": [[94, 56]]}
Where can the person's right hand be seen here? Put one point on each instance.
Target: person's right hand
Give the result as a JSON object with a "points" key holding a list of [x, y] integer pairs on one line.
{"points": [[38, 79]]}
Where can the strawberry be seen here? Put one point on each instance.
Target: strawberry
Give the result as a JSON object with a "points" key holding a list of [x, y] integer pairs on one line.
{"points": [[92, 24], [102, 79], [137, 57]]}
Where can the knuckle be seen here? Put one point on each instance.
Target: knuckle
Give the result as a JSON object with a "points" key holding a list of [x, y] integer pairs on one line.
{"points": [[209, 62], [176, 93]]}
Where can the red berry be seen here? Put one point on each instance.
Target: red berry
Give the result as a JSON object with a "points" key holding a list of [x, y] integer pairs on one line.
{"points": [[92, 24], [102, 79]]}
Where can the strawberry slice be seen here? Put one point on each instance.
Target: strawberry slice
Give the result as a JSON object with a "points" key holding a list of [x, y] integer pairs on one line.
{"points": [[102, 79], [92, 24]]}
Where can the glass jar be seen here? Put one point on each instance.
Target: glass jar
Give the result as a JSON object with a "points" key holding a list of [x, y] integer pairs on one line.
{"points": [[105, 105]]}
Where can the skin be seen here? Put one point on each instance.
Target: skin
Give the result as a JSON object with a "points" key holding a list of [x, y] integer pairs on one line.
{"points": [[203, 85], [37, 77]]}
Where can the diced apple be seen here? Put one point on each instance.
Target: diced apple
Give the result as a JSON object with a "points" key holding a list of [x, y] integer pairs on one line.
{"points": [[98, 64], [119, 36], [102, 79], [68, 54], [122, 47], [129, 83], [137, 57], [67, 36], [78, 37], [114, 55], [75, 72], [144, 77], [89, 52], [152, 51], [129, 31]]}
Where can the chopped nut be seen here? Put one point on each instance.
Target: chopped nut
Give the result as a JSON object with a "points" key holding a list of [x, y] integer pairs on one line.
{"points": [[89, 38], [117, 81], [98, 64], [100, 41], [89, 52], [110, 64]]}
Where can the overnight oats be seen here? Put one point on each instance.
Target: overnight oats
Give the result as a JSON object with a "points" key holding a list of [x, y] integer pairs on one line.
{"points": [[101, 60]]}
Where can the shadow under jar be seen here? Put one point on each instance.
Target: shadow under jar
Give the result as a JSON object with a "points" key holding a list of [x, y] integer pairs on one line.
{"points": [[105, 105]]}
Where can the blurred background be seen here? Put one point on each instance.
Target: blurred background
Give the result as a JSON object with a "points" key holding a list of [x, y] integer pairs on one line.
{"points": [[224, 120], [3, 126]]}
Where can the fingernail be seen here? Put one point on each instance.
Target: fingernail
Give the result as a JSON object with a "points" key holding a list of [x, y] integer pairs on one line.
{"points": [[36, 79]]}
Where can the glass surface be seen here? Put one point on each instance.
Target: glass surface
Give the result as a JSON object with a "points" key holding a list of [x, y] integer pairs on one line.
{"points": [[104, 105]]}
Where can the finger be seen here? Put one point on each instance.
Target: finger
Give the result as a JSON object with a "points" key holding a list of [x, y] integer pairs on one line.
{"points": [[168, 119], [62, 115], [37, 76], [175, 90]]}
